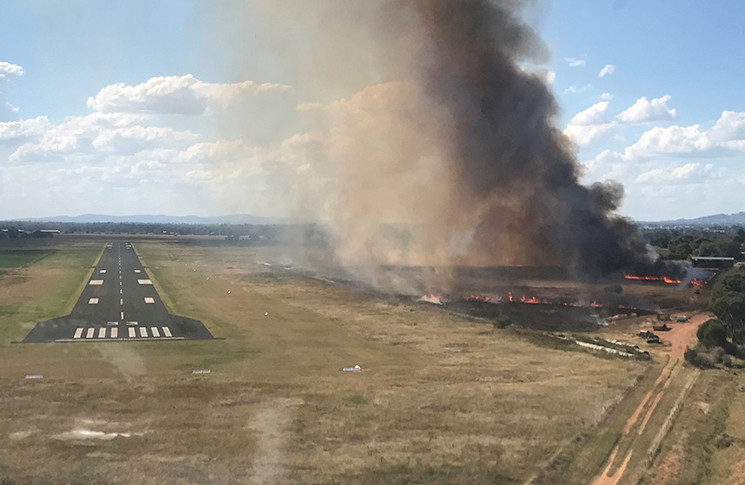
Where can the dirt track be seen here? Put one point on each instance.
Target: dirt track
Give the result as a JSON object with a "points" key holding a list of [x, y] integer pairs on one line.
{"points": [[680, 336]]}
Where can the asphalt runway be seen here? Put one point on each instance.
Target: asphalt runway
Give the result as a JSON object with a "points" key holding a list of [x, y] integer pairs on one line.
{"points": [[119, 304]]}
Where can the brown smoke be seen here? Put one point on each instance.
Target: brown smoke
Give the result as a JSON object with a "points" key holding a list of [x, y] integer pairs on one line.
{"points": [[454, 158]]}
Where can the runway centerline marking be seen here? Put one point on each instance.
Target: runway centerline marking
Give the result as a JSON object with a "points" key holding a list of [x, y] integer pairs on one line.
{"points": [[122, 316]]}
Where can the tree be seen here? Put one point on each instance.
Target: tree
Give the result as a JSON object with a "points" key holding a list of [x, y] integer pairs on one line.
{"points": [[707, 249], [728, 247], [739, 236], [728, 303], [712, 333], [681, 250]]}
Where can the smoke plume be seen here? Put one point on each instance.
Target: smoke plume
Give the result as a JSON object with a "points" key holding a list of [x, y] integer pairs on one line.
{"points": [[454, 158]]}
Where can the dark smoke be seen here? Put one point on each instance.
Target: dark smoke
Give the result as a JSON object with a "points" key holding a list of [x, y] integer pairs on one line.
{"points": [[510, 162]]}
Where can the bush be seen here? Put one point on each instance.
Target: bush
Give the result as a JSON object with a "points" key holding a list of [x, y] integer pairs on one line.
{"points": [[697, 359], [712, 333], [502, 322]]}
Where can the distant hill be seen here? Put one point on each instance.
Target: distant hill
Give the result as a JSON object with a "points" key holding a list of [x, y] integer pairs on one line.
{"points": [[737, 219], [164, 219]]}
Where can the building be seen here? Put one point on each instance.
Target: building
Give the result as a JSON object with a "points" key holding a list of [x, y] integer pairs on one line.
{"points": [[712, 262]]}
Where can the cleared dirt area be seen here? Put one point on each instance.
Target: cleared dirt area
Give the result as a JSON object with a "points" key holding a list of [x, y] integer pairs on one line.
{"points": [[440, 399]]}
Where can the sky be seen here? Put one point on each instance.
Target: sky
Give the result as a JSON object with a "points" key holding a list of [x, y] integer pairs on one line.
{"points": [[192, 107]]}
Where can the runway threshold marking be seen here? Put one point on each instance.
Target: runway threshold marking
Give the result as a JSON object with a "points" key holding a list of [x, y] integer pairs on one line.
{"points": [[89, 333], [143, 332], [167, 332], [78, 332], [114, 332], [132, 333], [102, 332], [154, 331]]}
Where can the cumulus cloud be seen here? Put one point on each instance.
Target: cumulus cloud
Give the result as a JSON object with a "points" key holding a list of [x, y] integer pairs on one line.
{"points": [[15, 131], [606, 96], [685, 174], [607, 70], [98, 134], [593, 115], [176, 95], [584, 135], [645, 111], [10, 70], [590, 125], [725, 138]]}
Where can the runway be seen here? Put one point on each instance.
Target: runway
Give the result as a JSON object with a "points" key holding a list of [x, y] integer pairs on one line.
{"points": [[119, 304]]}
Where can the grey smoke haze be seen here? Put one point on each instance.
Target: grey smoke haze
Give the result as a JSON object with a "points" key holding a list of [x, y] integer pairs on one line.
{"points": [[451, 138]]}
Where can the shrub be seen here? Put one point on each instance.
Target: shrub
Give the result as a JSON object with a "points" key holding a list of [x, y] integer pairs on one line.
{"points": [[712, 333], [698, 359], [502, 322]]}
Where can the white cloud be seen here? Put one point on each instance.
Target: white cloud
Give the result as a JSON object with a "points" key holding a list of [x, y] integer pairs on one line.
{"points": [[576, 62], [584, 135], [15, 131], [176, 95], [99, 134], [591, 125], [607, 70], [577, 89], [593, 115], [606, 96], [673, 140], [686, 174], [644, 111], [9, 70]]}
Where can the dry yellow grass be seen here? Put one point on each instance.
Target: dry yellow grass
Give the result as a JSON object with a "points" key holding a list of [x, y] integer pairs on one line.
{"points": [[441, 399]]}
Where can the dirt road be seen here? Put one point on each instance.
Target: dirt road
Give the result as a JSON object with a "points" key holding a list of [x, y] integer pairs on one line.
{"points": [[680, 336]]}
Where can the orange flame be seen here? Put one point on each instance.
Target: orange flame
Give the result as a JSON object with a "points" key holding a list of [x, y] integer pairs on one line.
{"points": [[652, 278]]}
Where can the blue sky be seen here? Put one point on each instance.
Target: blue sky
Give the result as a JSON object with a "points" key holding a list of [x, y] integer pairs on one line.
{"points": [[236, 102]]}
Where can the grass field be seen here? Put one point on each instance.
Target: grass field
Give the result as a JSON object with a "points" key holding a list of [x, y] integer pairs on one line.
{"points": [[441, 399]]}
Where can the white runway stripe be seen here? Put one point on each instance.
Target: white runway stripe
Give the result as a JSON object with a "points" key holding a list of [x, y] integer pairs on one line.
{"points": [[102, 332], [89, 333], [122, 316], [167, 332], [154, 331], [132, 333], [143, 332], [78, 332], [114, 333]]}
